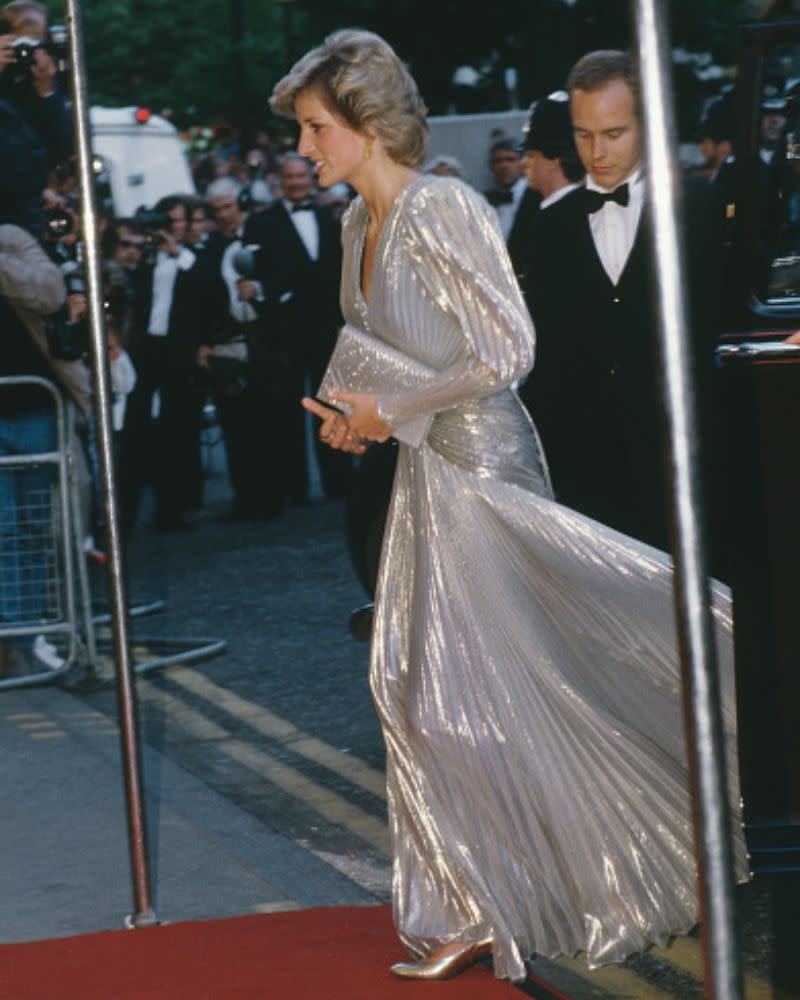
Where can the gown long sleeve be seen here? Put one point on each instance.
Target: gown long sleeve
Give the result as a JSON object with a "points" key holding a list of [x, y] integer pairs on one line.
{"points": [[524, 661], [459, 255]]}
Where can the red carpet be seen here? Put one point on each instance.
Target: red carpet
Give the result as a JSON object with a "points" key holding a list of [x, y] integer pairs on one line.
{"points": [[340, 953]]}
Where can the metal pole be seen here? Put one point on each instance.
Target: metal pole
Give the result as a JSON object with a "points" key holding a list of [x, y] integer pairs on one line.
{"points": [[144, 915], [723, 976]]}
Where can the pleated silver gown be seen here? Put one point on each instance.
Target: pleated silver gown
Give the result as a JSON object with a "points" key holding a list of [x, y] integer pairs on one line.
{"points": [[524, 662]]}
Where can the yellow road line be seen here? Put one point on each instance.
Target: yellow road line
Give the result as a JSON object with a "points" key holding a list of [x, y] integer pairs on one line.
{"points": [[620, 983], [327, 803], [186, 717], [686, 954], [274, 727]]}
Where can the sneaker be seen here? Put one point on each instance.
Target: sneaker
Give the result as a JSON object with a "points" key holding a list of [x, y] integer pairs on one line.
{"points": [[47, 654]]}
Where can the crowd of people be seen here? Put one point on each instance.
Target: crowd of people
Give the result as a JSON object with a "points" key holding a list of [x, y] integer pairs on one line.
{"points": [[230, 293]]}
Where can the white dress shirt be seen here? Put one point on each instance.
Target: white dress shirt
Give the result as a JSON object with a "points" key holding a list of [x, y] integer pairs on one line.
{"points": [[164, 274], [614, 226], [307, 229]]}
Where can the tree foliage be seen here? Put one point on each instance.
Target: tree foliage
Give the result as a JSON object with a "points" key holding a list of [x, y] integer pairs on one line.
{"points": [[185, 55]]}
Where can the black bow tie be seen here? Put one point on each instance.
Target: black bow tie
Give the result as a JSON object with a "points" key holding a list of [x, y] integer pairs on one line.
{"points": [[596, 199], [303, 206], [499, 197]]}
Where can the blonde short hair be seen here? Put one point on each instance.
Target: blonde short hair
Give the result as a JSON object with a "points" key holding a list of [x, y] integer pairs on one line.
{"points": [[360, 79]]}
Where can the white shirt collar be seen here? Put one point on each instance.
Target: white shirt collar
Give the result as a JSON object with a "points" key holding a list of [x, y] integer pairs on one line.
{"points": [[551, 199]]}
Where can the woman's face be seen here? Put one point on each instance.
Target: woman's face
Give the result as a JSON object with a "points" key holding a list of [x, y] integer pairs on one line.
{"points": [[334, 148]]}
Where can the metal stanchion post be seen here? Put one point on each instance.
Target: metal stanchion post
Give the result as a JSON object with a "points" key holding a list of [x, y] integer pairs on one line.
{"points": [[723, 975], [144, 915]]}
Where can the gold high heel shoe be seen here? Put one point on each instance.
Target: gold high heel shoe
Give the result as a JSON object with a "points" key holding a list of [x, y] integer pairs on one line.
{"points": [[446, 962]]}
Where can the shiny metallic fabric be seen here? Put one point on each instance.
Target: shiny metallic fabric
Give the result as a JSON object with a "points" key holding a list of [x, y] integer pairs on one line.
{"points": [[524, 661], [363, 363]]}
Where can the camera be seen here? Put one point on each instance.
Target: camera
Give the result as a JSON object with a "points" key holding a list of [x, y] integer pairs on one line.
{"points": [[56, 44], [25, 50], [58, 223], [151, 222], [68, 341]]}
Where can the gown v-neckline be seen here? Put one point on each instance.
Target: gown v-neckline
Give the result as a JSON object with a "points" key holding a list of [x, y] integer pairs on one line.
{"points": [[361, 299]]}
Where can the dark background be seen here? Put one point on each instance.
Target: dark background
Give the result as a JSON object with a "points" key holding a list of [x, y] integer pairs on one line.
{"points": [[204, 61]]}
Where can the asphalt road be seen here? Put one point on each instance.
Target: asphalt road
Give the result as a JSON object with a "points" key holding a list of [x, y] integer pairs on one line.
{"points": [[282, 723]]}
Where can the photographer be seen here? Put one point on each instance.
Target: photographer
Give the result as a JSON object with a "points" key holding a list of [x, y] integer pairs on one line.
{"points": [[31, 288], [232, 349], [29, 76], [163, 449], [23, 171]]}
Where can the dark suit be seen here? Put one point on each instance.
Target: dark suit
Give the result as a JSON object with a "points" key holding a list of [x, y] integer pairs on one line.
{"points": [[240, 389], [302, 316], [166, 451], [595, 389], [520, 236]]}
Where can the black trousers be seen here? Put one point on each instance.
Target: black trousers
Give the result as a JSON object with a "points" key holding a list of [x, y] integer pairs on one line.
{"points": [[161, 451], [335, 467], [248, 422]]}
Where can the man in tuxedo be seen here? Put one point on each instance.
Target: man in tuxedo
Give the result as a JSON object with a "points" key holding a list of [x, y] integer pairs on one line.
{"points": [[509, 189], [552, 169], [299, 267], [160, 440], [230, 336], [595, 391]]}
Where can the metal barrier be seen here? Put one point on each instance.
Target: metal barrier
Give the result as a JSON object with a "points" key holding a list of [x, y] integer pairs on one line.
{"points": [[37, 550], [45, 591]]}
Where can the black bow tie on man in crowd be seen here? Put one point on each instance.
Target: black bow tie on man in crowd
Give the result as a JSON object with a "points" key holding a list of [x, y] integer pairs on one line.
{"points": [[500, 197], [303, 206], [596, 199]]}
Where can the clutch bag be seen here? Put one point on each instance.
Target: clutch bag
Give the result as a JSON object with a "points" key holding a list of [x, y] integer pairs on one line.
{"points": [[362, 363]]}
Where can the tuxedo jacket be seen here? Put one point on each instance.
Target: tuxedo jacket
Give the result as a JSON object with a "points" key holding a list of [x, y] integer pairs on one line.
{"points": [[595, 391], [520, 236], [181, 324], [301, 295]]}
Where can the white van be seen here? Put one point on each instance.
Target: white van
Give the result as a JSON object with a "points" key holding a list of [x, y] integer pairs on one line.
{"points": [[141, 157]]}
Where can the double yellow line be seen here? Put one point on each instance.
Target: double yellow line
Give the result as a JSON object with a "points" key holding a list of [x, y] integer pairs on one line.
{"points": [[329, 804]]}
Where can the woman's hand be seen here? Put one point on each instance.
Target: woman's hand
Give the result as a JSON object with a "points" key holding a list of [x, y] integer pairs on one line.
{"points": [[335, 430], [364, 420]]}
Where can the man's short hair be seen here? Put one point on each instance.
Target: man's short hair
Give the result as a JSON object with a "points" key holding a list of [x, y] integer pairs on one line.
{"points": [[504, 145], [293, 157], [596, 70], [719, 120], [21, 12], [170, 201], [195, 203], [223, 187]]}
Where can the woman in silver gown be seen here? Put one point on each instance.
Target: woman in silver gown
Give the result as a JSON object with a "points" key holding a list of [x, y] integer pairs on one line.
{"points": [[524, 662]]}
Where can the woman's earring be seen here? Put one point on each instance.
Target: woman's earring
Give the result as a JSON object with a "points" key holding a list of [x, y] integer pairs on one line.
{"points": [[367, 148]]}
